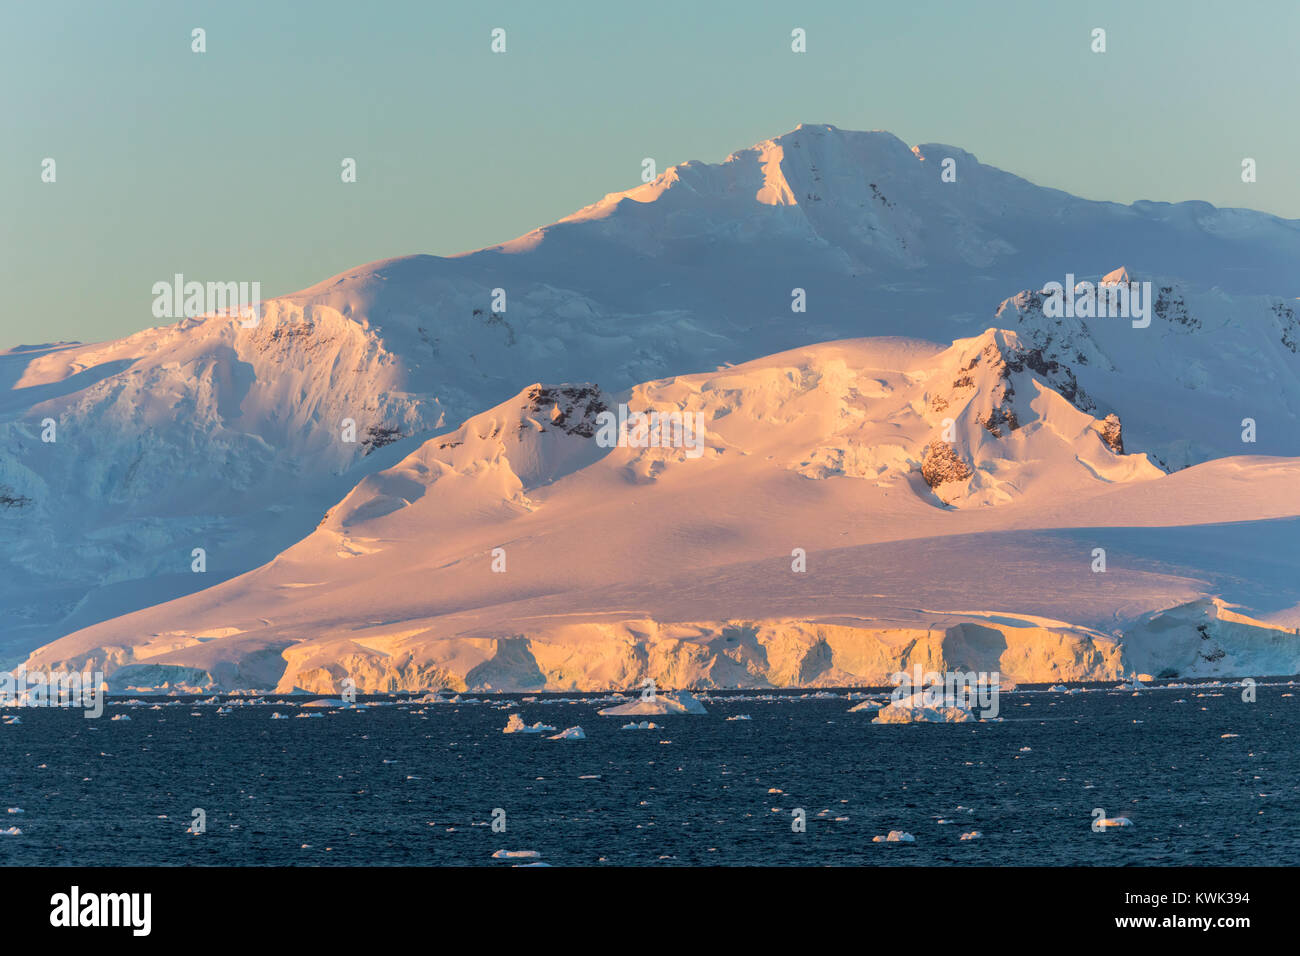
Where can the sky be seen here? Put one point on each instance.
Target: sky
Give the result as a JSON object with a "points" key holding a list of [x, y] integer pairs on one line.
{"points": [[226, 165]]}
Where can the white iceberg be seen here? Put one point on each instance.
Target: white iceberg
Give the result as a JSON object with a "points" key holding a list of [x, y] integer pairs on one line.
{"points": [[572, 733], [516, 854], [973, 835], [644, 725], [516, 725], [866, 705], [895, 836], [925, 706], [1114, 822], [679, 702]]}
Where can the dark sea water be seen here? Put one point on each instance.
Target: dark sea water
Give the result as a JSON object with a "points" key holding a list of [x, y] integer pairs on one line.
{"points": [[417, 784]]}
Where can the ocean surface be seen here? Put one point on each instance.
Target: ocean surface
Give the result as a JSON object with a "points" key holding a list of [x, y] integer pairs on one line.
{"points": [[417, 784]]}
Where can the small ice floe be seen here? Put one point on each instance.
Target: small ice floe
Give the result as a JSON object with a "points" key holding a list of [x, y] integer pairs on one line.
{"points": [[589, 776], [1114, 822], [1226, 736], [925, 706], [740, 717], [516, 854], [17, 810], [679, 702], [775, 790], [867, 705], [569, 733], [643, 725], [11, 719], [516, 725], [534, 863], [1054, 689], [895, 836], [276, 715], [973, 835], [119, 717], [1026, 750], [11, 831], [308, 715]]}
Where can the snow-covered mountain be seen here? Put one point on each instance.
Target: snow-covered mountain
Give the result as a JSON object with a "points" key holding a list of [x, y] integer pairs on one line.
{"points": [[205, 434], [808, 539]]}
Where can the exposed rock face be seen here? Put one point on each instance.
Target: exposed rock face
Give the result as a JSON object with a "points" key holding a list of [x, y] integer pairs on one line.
{"points": [[1290, 325], [943, 464], [571, 408], [1172, 307], [1112, 433]]}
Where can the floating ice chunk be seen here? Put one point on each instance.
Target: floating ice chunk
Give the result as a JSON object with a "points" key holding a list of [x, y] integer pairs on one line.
{"points": [[644, 725], [276, 715], [516, 725], [119, 717], [516, 854], [680, 702], [1226, 736], [973, 835], [740, 717], [17, 810], [12, 831], [1026, 750], [1114, 822], [895, 836], [923, 707], [866, 705], [1058, 689], [571, 733]]}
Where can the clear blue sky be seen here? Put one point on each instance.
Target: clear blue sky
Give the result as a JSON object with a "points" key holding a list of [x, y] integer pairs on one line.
{"points": [[225, 165]]}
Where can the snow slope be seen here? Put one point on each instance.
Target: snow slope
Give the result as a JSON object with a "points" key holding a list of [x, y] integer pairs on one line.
{"points": [[518, 553], [204, 434]]}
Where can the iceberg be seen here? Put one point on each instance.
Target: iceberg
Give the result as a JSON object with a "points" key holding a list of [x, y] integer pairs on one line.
{"points": [[680, 702], [516, 725], [866, 705], [572, 733], [922, 707]]}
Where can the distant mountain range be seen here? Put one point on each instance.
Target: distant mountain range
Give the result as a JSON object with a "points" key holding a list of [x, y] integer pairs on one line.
{"points": [[947, 472]]}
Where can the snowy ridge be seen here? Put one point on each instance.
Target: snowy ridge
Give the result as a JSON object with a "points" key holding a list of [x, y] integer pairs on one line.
{"points": [[621, 563], [204, 434]]}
